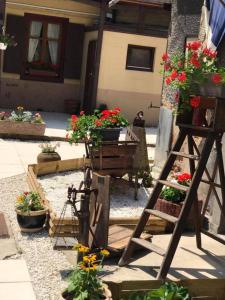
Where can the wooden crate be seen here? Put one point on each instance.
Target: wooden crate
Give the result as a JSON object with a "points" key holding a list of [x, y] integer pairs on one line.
{"points": [[199, 289], [154, 225]]}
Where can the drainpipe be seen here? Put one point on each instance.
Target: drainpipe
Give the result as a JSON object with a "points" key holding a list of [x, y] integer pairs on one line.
{"points": [[103, 9], [2, 20]]}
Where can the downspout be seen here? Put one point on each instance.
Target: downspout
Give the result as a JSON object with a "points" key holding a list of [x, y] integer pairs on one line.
{"points": [[103, 9], [2, 23]]}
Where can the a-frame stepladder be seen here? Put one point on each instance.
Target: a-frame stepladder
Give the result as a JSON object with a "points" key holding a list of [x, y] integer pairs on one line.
{"points": [[213, 134]]}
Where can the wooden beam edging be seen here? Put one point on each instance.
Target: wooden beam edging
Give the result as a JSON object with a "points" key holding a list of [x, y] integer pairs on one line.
{"points": [[157, 225]]}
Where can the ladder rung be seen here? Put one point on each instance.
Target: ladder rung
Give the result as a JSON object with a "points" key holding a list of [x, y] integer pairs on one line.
{"points": [[211, 183], [162, 215], [195, 127], [149, 246], [174, 185], [195, 157]]}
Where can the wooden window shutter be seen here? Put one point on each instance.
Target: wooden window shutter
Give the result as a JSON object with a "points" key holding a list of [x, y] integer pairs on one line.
{"points": [[74, 51], [13, 56]]}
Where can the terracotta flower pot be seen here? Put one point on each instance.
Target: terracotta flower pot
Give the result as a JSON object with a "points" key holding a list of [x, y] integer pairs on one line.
{"points": [[174, 210], [46, 157], [32, 221]]}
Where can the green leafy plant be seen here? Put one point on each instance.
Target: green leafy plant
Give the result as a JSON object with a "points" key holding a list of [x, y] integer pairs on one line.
{"points": [[173, 194], [29, 201], [82, 127], [147, 179], [84, 282], [186, 71], [168, 291], [8, 39]]}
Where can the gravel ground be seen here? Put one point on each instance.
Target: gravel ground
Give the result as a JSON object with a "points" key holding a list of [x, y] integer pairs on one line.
{"points": [[46, 266], [121, 194]]}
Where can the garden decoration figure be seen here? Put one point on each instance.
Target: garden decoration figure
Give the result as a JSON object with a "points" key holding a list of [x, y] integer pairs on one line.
{"points": [[186, 72]]}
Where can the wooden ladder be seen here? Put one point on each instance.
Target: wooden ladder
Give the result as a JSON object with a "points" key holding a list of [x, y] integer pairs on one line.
{"points": [[188, 131]]}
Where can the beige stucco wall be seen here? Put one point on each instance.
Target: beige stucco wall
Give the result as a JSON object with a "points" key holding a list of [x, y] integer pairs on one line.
{"points": [[45, 95], [128, 89]]}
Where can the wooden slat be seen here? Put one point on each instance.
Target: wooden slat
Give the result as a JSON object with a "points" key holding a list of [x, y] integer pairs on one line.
{"points": [[149, 246], [112, 163], [4, 233], [162, 215], [115, 150], [182, 154], [174, 185]]}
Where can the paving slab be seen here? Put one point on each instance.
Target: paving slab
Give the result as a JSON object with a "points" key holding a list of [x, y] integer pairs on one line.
{"points": [[17, 291], [189, 262], [13, 270], [7, 248]]}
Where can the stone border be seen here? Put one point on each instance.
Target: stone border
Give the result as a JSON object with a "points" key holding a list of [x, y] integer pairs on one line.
{"points": [[22, 128]]}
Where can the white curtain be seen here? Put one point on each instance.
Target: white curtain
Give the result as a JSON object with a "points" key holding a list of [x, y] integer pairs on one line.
{"points": [[53, 33], [35, 31]]}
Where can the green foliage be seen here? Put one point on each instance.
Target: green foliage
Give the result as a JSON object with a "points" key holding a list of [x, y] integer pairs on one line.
{"points": [[29, 201], [147, 179], [173, 195], [168, 291], [8, 39], [19, 115]]}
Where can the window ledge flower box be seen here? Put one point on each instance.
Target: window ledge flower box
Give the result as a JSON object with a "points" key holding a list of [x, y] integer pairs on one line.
{"points": [[23, 128]]}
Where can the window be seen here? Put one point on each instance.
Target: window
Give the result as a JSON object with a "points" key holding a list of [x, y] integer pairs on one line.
{"points": [[140, 58], [44, 53]]}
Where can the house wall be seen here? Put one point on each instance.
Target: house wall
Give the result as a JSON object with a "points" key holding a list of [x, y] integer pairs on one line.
{"points": [[45, 95], [131, 90]]}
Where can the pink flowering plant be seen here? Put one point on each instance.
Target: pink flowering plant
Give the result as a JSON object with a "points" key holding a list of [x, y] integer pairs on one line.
{"points": [[83, 127], [186, 71], [20, 115]]}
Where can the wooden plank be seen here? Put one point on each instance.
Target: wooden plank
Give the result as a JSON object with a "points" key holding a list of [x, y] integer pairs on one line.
{"points": [[113, 163], [162, 215], [115, 150], [149, 246], [182, 154], [174, 185], [4, 232]]}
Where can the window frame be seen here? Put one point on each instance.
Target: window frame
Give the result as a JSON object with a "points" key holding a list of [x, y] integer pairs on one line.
{"points": [[142, 69], [63, 22]]}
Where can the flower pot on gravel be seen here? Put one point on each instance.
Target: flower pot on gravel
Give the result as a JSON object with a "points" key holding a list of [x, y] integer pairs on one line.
{"points": [[32, 221], [31, 213], [46, 157]]}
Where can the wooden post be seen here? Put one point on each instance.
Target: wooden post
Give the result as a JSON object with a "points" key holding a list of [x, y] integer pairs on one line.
{"points": [[98, 53]]}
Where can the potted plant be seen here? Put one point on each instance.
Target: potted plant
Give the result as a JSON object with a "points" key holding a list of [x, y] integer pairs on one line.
{"points": [[101, 126], [31, 213], [171, 199], [84, 282], [190, 74], [6, 40], [20, 121], [48, 152]]}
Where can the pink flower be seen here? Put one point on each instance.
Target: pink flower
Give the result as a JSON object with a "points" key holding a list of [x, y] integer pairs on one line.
{"points": [[82, 113]]}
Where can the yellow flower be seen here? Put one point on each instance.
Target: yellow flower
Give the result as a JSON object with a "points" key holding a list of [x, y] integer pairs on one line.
{"points": [[92, 268], [20, 199], [76, 246], [92, 258], [104, 252]]}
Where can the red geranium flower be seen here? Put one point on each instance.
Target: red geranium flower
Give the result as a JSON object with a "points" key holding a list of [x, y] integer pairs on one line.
{"points": [[82, 113], [73, 117], [98, 123], [195, 62], [216, 78], [184, 177], [165, 57], [182, 76], [195, 101], [168, 80], [174, 74], [167, 67], [194, 45]]}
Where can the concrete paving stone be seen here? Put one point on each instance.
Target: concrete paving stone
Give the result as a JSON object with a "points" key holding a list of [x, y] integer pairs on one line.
{"points": [[17, 291], [7, 248], [13, 270]]}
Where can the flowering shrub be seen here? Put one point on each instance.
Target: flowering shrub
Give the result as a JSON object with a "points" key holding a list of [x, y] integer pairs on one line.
{"points": [[184, 72], [173, 194], [48, 147], [29, 201], [19, 115], [83, 281], [81, 127]]}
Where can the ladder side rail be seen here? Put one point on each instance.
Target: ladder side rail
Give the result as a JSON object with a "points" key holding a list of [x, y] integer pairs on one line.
{"points": [[167, 260]]}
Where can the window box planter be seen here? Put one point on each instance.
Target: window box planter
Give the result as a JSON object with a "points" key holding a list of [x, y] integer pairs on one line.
{"points": [[24, 128]]}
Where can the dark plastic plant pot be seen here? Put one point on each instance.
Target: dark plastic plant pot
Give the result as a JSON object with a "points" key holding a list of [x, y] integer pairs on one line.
{"points": [[32, 221], [108, 134]]}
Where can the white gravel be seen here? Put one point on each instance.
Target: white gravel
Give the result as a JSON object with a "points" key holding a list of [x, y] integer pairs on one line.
{"points": [[122, 203], [45, 265]]}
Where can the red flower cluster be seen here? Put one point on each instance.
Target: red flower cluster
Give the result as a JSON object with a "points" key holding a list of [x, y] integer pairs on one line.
{"points": [[216, 78], [194, 45], [195, 101], [183, 177], [210, 53]]}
